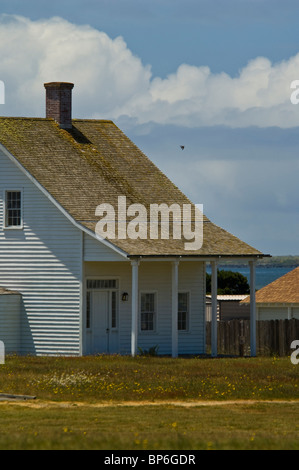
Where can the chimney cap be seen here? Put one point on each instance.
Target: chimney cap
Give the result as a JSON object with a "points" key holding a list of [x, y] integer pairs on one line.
{"points": [[59, 85]]}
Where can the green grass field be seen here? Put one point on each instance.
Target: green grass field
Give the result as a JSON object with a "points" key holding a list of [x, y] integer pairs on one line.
{"points": [[152, 403]]}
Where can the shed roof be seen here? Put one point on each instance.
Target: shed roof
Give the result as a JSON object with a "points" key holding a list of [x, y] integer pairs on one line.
{"points": [[4, 291], [94, 163], [230, 297], [282, 290]]}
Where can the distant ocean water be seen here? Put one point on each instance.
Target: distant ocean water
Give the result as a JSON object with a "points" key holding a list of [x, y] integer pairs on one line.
{"points": [[264, 275]]}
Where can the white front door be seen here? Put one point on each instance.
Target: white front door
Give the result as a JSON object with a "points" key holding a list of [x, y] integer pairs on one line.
{"points": [[103, 323], [100, 313]]}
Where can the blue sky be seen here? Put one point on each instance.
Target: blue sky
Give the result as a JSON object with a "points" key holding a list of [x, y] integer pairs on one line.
{"points": [[212, 75]]}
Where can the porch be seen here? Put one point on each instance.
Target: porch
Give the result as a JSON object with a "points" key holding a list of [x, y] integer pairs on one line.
{"points": [[153, 302]]}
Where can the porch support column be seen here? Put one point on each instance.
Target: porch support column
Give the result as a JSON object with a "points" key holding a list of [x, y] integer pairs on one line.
{"points": [[252, 309], [174, 306], [134, 331], [214, 285]]}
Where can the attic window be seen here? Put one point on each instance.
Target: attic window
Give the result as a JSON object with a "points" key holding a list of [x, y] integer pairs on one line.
{"points": [[13, 209]]}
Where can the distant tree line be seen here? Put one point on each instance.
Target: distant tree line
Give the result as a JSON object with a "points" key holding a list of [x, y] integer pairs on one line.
{"points": [[273, 261], [229, 283]]}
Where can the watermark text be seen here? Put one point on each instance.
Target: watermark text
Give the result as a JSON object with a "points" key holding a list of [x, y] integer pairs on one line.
{"points": [[160, 221], [294, 359], [295, 94]]}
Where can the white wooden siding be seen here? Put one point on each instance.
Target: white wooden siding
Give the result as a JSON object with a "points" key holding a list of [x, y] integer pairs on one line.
{"points": [[278, 312], [273, 313], [94, 250], [10, 322], [156, 277], [43, 263], [295, 312]]}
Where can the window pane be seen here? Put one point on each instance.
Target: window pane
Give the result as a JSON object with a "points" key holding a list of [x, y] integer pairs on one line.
{"points": [[182, 320], [13, 208], [147, 321], [183, 310], [113, 309], [147, 311], [88, 297], [183, 301]]}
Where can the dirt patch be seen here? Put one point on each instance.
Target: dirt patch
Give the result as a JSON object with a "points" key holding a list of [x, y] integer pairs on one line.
{"points": [[188, 404]]}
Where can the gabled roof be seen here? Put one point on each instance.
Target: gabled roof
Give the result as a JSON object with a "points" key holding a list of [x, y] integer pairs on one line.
{"points": [[94, 163], [282, 290]]}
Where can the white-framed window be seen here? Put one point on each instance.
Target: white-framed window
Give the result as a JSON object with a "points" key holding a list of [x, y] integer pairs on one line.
{"points": [[183, 311], [13, 209], [148, 311]]}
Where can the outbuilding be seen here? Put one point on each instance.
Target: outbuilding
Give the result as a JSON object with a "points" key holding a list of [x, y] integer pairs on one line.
{"points": [[10, 319], [279, 300]]}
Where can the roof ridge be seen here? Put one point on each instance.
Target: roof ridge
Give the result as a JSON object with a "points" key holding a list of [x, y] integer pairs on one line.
{"points": [[92, 120], [26, 118], [36, 118]]}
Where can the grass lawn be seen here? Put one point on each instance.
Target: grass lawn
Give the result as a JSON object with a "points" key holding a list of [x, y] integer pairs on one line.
{"points": [[90, 403]]}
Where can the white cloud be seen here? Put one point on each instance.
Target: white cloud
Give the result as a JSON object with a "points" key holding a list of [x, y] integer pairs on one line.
{"points": [[246, 178], [193, 96], [110, 81], [105, 72]]}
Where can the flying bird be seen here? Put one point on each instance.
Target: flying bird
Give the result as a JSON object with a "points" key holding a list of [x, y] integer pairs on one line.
{"points": [[182, 147]]}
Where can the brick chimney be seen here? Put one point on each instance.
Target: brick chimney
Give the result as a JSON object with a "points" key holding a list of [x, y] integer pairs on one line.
{"points": [[59, 103]]}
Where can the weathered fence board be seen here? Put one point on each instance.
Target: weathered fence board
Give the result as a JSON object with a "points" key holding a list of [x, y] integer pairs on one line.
{"points": [[273, 337]]}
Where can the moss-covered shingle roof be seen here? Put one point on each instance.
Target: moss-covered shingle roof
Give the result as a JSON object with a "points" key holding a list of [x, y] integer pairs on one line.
{"points": [[96, 162]]}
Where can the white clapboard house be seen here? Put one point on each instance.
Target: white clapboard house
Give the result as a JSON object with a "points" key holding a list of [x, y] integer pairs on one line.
{"points": [[65, 290]]}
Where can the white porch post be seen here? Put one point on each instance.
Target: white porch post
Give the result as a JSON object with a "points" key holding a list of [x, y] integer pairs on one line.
{"points": [[252, 310], [214, 284], [174, 304], [134, 331]]}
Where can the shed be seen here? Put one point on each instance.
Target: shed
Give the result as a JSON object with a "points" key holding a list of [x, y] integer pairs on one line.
{"points": [[10, 319], [229, 307], [279, 300]]}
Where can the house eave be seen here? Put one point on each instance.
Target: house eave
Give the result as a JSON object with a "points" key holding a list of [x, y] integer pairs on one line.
{"points": [[197, 257], [56, 203]]}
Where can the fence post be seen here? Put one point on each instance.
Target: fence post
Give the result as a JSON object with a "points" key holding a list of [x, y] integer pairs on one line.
{"points": [[252, 309], [241, 339]]}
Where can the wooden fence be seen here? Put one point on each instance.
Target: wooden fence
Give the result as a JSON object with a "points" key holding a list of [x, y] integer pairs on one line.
{"points": [[273, 337]]}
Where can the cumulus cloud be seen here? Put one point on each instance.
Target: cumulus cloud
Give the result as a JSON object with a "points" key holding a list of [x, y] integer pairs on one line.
{"points": [[105, 72], [193, 96], [111, 81]]}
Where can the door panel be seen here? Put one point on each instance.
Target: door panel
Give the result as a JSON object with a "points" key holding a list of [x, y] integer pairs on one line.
{"points": [[104, 337], [100, 312]]}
